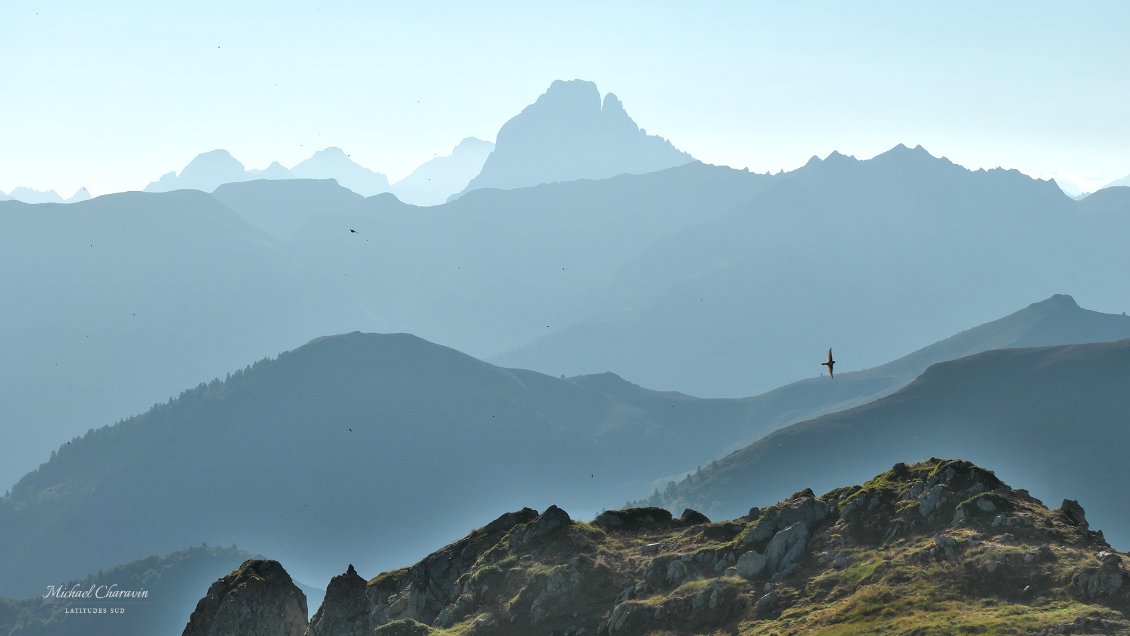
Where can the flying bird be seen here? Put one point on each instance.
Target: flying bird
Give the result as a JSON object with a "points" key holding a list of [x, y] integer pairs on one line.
{"points": [[830, 364], [353, 231]]}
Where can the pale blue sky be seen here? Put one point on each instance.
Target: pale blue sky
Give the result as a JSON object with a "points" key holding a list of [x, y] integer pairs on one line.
{"points": [[111, 94]]}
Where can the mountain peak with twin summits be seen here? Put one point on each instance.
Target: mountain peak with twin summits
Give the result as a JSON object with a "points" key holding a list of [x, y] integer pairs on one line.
{"points": [[571, 133]]}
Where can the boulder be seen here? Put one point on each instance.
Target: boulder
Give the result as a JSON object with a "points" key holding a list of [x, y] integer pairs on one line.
{"points": [[751, 564], [787, 546], [693, 518]]}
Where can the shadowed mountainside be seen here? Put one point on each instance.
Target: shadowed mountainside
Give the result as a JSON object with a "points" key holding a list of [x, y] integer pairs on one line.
{"points": [[308, 456]]}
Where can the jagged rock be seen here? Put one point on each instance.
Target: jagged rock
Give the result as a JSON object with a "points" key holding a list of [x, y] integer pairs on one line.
{"points": [[632, 518], [548, 522], [344, 611], [651, 549], [1074, 512], [256, 599], [751, 564], [692, 518], [787, 546]]}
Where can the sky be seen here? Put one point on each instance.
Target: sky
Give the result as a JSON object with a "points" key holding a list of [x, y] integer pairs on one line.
{"points": [[111, 95]]}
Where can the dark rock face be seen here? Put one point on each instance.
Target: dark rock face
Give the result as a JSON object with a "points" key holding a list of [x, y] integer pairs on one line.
{"points": [[633, 518], [257, 599], [346, 615], [693, 518]]}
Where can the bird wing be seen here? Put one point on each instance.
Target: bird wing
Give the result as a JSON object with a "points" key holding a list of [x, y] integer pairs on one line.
{"points": [[829, 354]]}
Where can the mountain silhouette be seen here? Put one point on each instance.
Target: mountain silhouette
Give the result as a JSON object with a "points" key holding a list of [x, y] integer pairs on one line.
{"points": [[205, 172], [29, 195], [1052, 417], [439, 178], [333, 163], [212, 169], [570, 133]]}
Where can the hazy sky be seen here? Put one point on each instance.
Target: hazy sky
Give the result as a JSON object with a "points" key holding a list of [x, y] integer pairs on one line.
{"points": [[112, 94]]}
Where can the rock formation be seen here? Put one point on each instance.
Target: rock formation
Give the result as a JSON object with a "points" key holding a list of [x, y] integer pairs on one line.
{"points": [[257, 599]]}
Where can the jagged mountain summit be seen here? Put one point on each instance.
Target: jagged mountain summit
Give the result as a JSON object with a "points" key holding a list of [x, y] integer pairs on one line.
{"points": [[30, 195], [439, 178], [1027, 411], [935, 547], [571, 133]]}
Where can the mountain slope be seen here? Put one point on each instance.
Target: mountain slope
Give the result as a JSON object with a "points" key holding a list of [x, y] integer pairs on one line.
{"points": [[568, 134], [439, 178], [940, 547], [831, 255], [392, 422], [1053, 417], [116, 288], [1055, 321], [281, 207]]}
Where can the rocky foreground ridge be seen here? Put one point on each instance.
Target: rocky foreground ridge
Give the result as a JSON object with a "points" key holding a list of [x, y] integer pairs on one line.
{"points": [[937, 547]]}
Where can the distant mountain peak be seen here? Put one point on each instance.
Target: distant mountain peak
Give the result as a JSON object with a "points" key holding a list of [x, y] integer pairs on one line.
{"points": [[571, 133]]}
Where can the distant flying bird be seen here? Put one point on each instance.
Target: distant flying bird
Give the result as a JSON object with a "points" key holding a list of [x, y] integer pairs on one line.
{"points": [[830, 364], [353, 231]]}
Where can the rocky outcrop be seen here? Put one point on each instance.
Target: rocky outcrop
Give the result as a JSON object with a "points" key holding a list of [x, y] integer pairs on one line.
{"points": [[633, 518], [257, 599], [935, 530], [347, 614]]}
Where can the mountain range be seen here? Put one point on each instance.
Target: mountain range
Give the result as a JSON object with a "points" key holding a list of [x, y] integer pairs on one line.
{"points": [[1053, 417], [905, 245], [29, 195], [391, 421], [210, 170]]}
